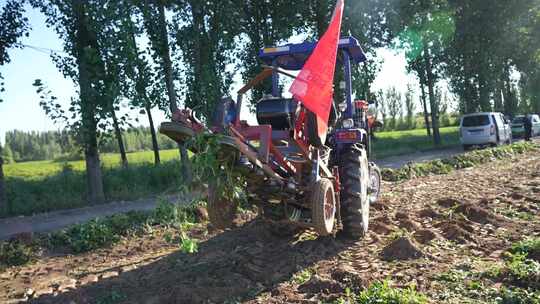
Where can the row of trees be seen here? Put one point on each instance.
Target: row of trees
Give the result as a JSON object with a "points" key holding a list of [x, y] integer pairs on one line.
{"points": [[193, 48], [400, 111], [108, 62], [31, 146], [477, 45]]}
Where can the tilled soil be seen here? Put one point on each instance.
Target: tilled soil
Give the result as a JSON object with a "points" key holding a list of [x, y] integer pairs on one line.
{"points": [[420, 229]]}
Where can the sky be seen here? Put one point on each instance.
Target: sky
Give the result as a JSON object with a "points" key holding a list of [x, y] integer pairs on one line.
{"points": [[20, 109]]}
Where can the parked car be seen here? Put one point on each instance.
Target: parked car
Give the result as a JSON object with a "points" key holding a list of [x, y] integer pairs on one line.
{"points": [[482, 129], [518, 125]]}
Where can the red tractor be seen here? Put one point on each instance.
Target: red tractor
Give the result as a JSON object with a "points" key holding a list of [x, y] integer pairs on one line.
{"points": [[327, 183]]}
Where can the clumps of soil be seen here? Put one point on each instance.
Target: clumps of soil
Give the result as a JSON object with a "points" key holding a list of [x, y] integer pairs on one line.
{"points": [[405, 222], [382, 219], [473, 212], [380, 205], [402, 216], [429, 212], [449, 203], [401, 248], [478, 214], [485, 202], [318, 285], [381, 228], [456, 231], [408, 225], [424, 236], [348, 276], [534, 255], [201, 213]]}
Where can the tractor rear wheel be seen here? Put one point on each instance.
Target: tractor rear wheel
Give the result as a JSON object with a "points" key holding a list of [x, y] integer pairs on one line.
{"points": [[221, 211], [354, 191], [323, 207]]}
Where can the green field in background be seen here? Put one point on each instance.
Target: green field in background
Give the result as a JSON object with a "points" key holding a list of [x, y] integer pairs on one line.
{"points": [[40, 169], [411, 141], [387, 144]]}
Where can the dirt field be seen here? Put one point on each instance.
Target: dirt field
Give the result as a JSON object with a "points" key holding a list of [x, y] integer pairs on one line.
{"points": [[421, 229]]}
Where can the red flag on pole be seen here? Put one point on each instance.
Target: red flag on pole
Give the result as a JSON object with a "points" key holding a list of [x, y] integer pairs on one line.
{"points": [[314, 85]]}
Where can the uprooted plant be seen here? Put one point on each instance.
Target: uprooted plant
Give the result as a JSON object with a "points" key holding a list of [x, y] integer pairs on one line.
{"points": [[212, 165]]}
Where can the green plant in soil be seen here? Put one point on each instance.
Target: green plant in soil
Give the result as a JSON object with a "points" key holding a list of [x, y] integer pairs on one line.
{"points": [[303, 276], [105, 232], [16, 253], [529, 247], [522, 271], [188, 245], [457, 162], [518, 296], [383, 292]]}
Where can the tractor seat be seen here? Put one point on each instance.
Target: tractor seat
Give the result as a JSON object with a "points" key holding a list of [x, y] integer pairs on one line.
{"points": [[280, 113]]}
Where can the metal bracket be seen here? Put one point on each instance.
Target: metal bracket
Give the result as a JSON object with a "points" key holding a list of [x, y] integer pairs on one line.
{"points": [[316, 165]]}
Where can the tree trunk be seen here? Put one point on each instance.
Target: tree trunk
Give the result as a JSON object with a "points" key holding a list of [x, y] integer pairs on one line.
{"points": [[83, 41], [120, 140], [168, 69], [426, 113], [155, 145], [510, 105], [498, 96], [94, 178], [432, 100], [4, 208], [483, 91], [166, 57], [186, 165]]}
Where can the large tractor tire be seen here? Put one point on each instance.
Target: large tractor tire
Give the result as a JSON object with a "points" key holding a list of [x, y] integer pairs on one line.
{"points": [[323, 207], [354, 191], [221, 211]]}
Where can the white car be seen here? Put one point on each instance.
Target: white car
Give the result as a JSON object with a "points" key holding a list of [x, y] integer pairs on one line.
{"points": [[481, 129], [518, 125]]}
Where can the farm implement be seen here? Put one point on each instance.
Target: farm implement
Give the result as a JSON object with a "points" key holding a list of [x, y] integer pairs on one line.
{"points": [[323, 181]]}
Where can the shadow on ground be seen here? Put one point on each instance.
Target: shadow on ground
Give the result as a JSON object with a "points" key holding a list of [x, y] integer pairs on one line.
{"points": [[236, 265]]}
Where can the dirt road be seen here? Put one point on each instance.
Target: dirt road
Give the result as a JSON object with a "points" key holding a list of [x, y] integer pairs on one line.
{"points": [[461, 221], [52, 221]]}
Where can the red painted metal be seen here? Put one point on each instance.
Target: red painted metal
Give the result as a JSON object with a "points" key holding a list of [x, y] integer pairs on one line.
{"points": [[264, 135], [299, 135], [187, 118], [337, 182]]}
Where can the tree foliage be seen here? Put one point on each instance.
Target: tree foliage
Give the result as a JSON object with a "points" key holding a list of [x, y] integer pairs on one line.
{"points": [[13, 26]]}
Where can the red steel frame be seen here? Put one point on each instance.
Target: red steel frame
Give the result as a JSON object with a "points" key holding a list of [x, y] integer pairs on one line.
{"points": [[243, 134]]}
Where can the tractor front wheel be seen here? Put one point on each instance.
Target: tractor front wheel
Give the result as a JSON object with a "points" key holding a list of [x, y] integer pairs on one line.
{"points": [[221, 211], [323, 207], [354, 191]]}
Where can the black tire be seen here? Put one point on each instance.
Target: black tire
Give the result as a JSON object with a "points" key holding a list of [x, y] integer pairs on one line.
{"points": [[375, 185], [467, 147], [354, 193], [323, 207], [221, 211]]}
